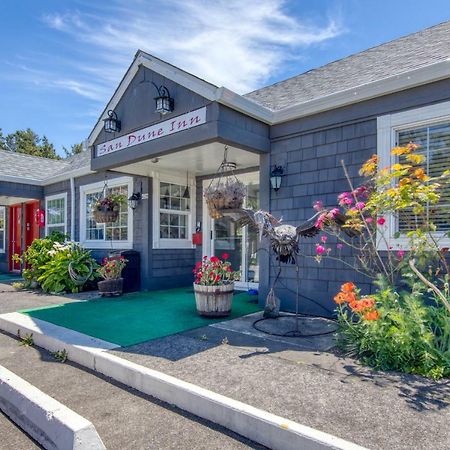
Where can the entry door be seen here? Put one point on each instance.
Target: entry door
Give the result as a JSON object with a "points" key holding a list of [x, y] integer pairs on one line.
{"points": [[15, 235], [241, 244], [31, 224]]}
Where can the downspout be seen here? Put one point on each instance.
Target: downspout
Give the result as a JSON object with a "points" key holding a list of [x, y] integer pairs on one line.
{"points": [[72, 208]]}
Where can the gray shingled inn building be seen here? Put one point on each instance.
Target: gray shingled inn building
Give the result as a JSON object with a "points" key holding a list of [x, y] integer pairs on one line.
{"points": [[346, 110]]}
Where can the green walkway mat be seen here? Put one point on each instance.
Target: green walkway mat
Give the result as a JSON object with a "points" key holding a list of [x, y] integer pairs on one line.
{"points": [[6, 277], [137, 317]]}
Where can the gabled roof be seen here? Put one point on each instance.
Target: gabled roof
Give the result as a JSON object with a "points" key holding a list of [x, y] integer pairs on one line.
{"points": [[410, 61], [400, 56], [22, 168]]}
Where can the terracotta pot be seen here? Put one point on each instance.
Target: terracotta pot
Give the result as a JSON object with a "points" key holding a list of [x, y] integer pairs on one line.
{"points": [[214, 301], [105, 216], [110, 288]]}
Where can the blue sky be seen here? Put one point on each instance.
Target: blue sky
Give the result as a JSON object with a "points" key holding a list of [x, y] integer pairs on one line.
{"points": [[60, 61]]}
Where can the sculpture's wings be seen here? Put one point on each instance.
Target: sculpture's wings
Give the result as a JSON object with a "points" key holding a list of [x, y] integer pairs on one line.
{"points": [[309, 229]]}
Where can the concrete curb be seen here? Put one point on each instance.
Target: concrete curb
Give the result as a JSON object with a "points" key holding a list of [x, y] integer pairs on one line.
{"points": [[49, 422], [253, 423]]}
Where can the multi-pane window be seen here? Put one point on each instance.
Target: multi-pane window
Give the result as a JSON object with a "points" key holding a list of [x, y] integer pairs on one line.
{"points": [[56, 214], [116, 231], [2, 229], [434, 142], [174, 204]]}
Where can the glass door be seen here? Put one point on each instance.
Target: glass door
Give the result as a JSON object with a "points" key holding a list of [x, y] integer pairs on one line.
{"points": [[241, 244]]}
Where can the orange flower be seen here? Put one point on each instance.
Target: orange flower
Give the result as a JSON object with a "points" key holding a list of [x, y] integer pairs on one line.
{"points": [[356, 306], [420, 175], [404, 181], [368, 302], [350, 296], [372, 315], [340, 298], [348, 287]]}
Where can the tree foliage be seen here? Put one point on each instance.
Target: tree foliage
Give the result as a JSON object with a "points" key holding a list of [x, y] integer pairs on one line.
{"points": [[28, 142]]}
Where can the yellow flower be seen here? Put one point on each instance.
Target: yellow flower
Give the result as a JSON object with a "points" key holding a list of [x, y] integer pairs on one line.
{"points": [[397, 167], [369, 167], [400, 150], [415, 159]]}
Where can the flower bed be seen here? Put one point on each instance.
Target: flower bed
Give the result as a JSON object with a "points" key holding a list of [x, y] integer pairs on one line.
{"points": [[405, 323]]}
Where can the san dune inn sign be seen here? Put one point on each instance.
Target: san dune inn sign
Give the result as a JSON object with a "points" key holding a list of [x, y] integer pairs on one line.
{"points": [[170, 126]]}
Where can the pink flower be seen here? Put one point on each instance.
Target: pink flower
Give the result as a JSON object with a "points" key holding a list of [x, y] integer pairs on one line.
{"points": [[369, 220], [324, 239], [339, 246], [333, 213], [360, 205], [400, 254], [318, 205], [347, 201], [381, 221], [320, 249], [320, 221]]}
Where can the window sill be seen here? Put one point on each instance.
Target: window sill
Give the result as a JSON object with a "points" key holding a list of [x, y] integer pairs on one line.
{"points": [[173, 243], [108, 245]]}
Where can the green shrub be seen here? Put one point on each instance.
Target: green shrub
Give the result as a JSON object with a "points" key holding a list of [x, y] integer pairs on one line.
{"points": [[55, 275], [408, 334]]}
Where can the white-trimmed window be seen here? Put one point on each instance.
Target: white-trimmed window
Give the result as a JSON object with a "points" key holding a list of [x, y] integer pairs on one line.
{"points": [[56, 213], [101, 235], [2, 229], [173, 212], [428, 127]]}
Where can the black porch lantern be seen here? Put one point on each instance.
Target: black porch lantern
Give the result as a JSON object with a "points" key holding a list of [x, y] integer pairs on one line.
{"points": [[164, 102], [134, 200], [275, 177], [111, 123]]}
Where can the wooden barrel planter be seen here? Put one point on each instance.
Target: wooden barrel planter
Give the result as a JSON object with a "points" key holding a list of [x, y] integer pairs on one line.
{"points": [[214, 301], [105, 216], [111, 288]]}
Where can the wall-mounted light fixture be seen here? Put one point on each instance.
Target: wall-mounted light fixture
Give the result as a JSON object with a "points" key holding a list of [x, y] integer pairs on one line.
{"points": [[275, 177], [134, 199], [164, 102], [111, 124]]}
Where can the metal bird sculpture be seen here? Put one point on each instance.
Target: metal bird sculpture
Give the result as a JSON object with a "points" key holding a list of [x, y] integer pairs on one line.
{"points": [[284, 238]]}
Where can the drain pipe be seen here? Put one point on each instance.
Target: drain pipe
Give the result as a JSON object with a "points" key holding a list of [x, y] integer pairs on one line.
{"points": [[72, 208]]}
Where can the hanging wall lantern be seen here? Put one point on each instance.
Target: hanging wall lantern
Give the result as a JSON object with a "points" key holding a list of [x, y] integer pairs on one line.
{"points": [[164, 102], [111, 123], [275, 177]]}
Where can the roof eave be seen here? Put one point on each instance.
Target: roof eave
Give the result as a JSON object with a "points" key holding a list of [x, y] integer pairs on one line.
{"points": [[407, 80]]}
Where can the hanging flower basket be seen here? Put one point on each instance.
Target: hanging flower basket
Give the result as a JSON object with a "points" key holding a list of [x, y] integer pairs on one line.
{"points": [[105, 215], [107, 208], [225, 190]]}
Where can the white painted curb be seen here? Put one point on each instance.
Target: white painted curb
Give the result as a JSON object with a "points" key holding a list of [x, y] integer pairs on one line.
{"points": [[49, 422], [253, 423]]}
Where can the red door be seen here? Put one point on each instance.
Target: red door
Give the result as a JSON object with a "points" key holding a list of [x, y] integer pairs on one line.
{"points": [[28, 229], [15, 235], [31, 222]]}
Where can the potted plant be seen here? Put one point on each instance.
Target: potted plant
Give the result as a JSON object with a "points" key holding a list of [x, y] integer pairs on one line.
{"points": [[111, 272], [224, 195], [106, 209], [214, 286]]}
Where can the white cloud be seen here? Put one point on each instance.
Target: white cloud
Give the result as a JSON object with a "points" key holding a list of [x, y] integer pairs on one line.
{"points": [[234, 43]]}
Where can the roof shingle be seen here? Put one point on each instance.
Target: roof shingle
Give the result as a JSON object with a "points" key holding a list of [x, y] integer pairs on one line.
{"points": [[393, 58]]}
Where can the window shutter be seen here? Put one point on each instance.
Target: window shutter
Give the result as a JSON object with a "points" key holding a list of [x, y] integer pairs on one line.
{"points": [[434, 142]]}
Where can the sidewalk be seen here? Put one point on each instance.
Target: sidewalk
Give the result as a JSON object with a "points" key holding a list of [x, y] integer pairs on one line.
{"points": [[124, 418]]}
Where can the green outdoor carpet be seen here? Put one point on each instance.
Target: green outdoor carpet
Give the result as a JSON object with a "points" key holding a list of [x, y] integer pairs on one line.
{"points": [[9, 277], [137, 317]]}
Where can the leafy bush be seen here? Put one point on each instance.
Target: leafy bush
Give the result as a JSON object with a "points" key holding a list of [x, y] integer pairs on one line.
{"points": [[47, 263], [37, 255], [396, 331], [55, 275]]}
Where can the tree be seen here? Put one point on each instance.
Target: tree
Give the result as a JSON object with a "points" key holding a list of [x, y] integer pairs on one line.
{"points": [[29, 143], [75, 149]]}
